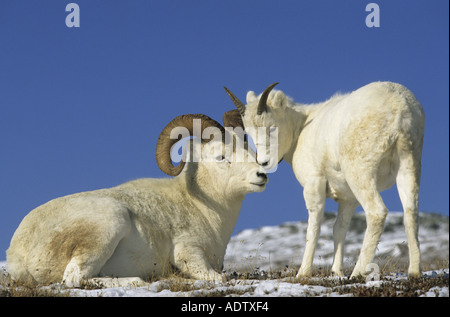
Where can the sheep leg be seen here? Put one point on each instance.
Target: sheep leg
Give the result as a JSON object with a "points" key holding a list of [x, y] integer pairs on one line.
{"points": [[376, 212], [89, 257], [193, 262], [408, 182], [315, 195], [88, 264], [346, 210]]}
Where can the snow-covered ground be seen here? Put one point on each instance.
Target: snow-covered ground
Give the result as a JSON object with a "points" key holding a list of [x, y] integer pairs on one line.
{"points": [[273, 249]]}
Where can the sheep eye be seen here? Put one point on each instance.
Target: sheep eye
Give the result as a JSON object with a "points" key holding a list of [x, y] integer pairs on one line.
{"points": [[221, 159]]}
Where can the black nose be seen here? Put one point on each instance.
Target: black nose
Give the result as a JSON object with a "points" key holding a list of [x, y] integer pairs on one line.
{"points": [[264, 164], [263, 175]]}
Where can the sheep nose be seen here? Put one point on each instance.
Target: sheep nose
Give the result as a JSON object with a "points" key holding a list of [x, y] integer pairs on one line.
{"points": [[263, 175], [264, 164]]}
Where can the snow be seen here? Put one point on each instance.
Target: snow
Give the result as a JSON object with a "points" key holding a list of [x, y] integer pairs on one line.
{"points": [[271, 249]]}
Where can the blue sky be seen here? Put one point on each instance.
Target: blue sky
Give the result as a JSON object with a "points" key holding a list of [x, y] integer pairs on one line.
{"points": [[81, 108]]}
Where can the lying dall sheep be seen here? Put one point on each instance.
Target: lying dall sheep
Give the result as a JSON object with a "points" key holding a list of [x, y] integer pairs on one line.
{"points": [[349, 148], [143, 227]]}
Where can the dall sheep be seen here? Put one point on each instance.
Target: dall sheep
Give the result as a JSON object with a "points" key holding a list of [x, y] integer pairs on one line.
{"points": [[143, 227], [350, 148]]}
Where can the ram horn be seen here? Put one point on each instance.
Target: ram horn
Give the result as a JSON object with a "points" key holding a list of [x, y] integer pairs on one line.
{"points": [[262, 105], [165, 143], [236, 101]]}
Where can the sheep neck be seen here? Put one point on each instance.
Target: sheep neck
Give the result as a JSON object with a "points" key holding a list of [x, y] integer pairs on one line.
{"points": [[221, 209], [295, 117], [298, 117]]}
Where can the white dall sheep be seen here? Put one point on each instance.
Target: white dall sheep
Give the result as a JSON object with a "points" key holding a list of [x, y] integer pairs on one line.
{"points": [[142, 227], [349, 148]]}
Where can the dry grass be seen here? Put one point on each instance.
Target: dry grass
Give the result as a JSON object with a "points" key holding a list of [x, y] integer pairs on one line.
{"points": [[9, 288], [388, 286], [411, 287]]}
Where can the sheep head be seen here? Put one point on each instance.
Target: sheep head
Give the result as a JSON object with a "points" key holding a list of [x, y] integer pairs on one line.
{"points": [[261, 113], [262, 104], [220, 156], [172, 133]]}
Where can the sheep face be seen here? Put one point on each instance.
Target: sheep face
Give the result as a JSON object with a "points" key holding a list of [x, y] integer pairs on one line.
{"points": [[227, 168], [269, 130]]}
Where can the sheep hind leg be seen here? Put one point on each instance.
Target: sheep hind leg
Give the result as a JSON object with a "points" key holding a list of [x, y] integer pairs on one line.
{"points": [[376, 213], [108, 282], [88, 263], [408, 183], [74, 276], [78, 271], [92, 251]]}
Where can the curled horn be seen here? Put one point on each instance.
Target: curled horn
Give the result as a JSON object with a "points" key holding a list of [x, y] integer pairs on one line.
{"points": [[165, 143], [262, 105], [236, 101]]}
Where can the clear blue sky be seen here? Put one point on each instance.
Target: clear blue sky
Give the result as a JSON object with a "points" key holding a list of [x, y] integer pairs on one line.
{"points": [[81, 108]]}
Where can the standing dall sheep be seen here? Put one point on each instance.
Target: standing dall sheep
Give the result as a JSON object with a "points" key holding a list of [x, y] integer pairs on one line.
{"points": [[143, 227], [350, 148]]}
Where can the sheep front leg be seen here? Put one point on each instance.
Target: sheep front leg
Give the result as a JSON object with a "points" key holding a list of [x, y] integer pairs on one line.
{"points": [[315, 195], [194, 263]]}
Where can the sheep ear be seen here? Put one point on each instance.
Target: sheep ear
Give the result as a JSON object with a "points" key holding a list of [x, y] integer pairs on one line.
{"points": [[251, 97], [262, 104], [232, 119], [278, 100]]}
